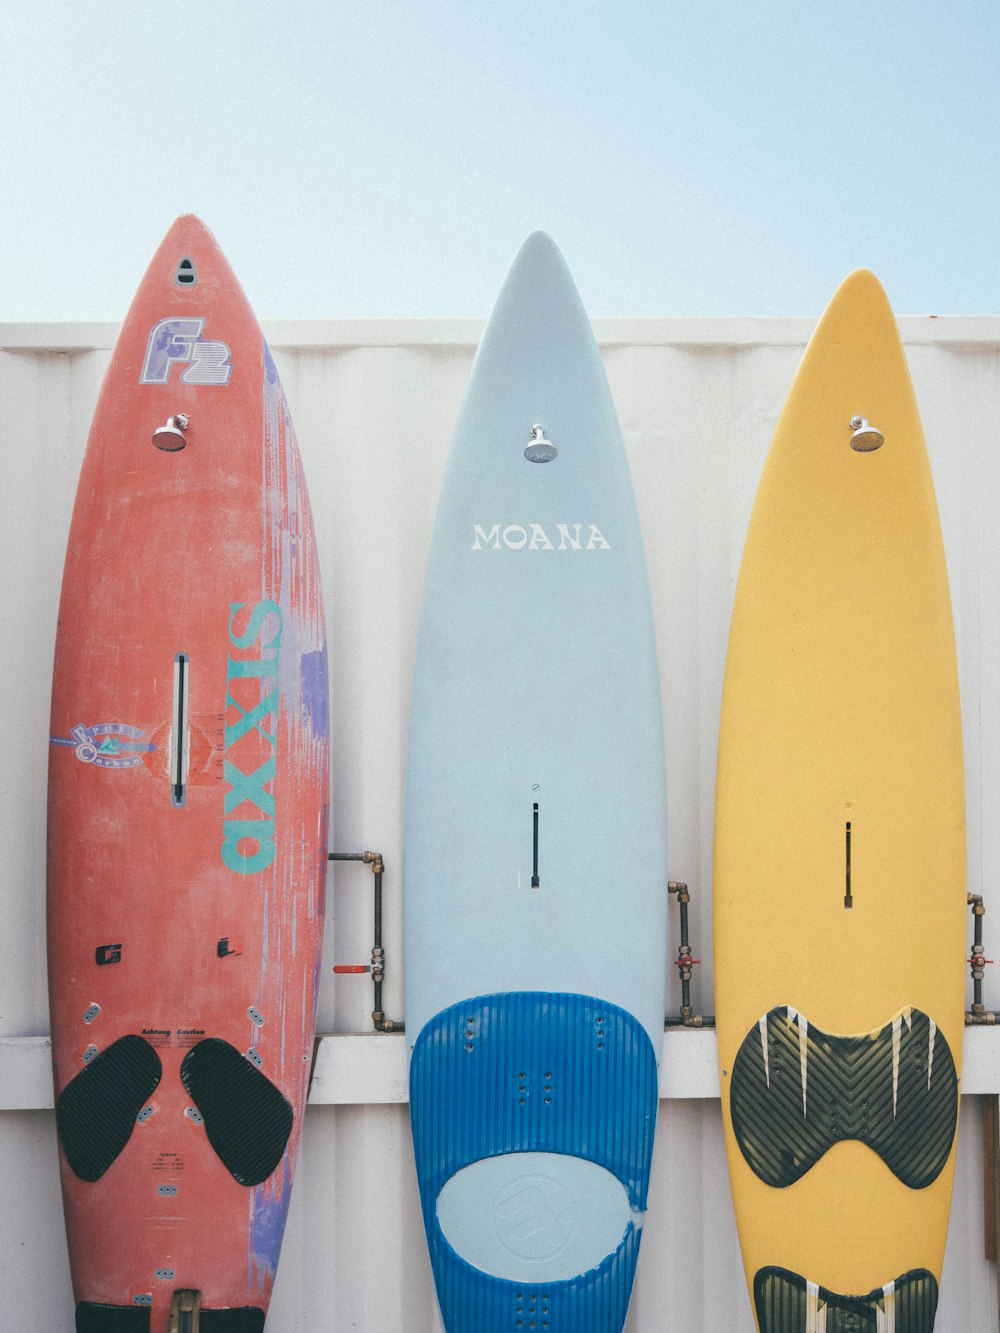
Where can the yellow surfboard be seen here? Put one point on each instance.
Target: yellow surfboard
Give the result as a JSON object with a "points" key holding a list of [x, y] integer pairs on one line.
{"points": [[839, 896]]}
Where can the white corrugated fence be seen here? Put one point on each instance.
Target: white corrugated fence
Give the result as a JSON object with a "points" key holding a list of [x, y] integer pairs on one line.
{"points": [[374, 404]]}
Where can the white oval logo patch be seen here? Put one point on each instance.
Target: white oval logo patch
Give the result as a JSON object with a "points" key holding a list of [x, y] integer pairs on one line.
{"points": [[539, 1217]]}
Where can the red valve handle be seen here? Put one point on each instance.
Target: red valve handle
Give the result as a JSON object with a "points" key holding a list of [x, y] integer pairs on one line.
{"points": [[977, 960], [685, 959], [352, 967]]}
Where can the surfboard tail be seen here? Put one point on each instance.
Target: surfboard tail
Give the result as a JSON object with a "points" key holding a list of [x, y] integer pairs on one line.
{"points": [[533, 1118]]}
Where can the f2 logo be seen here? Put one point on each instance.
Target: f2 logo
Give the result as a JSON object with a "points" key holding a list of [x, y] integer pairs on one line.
{"points": [[180, 340]]}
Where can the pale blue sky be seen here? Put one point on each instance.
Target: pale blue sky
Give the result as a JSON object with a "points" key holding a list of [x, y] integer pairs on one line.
{"points": [[387, 158]]}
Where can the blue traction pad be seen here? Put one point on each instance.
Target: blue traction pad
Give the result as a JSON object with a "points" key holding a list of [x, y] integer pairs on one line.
{"points": [[533, 1071]]}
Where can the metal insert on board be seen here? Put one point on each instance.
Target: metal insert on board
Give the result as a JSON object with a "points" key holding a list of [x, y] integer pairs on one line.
{"points": [[866, 438], [539, 449]]}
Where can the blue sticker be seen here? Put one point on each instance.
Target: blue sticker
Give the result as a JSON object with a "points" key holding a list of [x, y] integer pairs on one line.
{"points": [[107, 745], [179, 341]]}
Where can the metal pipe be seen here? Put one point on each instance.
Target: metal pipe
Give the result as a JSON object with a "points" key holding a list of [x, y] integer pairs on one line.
{"points": [[377, 965], [978, 1014], [685, 963]]}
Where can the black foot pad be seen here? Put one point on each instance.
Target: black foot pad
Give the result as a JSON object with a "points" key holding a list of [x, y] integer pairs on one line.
{"points": [[94, 1318], [96, 1111], [796, 1091], [247, 1119], [787, 1303], [244, 1319]]}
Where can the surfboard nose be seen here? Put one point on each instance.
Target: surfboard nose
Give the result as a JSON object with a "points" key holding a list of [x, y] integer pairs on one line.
{"points": [[538, 392], [188, 228], [538, 248], [188, 255], [540, 277], [853, 394], [859, 303], [860, 317]]}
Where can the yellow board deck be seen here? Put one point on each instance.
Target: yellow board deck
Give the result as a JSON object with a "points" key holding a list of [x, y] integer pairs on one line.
{"points": [[839, 893]]}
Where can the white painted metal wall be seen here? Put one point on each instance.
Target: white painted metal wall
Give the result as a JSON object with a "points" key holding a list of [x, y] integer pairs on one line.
{"points": [[374, 404]]}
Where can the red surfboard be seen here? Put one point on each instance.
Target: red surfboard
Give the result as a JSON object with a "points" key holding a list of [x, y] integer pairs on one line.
{"points": [[188, 802]]}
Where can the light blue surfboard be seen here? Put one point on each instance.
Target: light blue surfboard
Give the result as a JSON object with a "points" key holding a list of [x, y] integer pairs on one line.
{"points": [[535, 857]]}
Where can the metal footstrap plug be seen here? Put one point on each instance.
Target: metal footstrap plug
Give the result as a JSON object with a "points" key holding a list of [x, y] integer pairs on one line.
{"points": [[185, 1312]]}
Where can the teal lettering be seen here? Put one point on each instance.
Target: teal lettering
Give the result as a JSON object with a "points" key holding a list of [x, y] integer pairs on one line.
{"points": [[249, 787], [243, 787], [255, 624], [251, 720], [241, 667], [258, 831]]}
